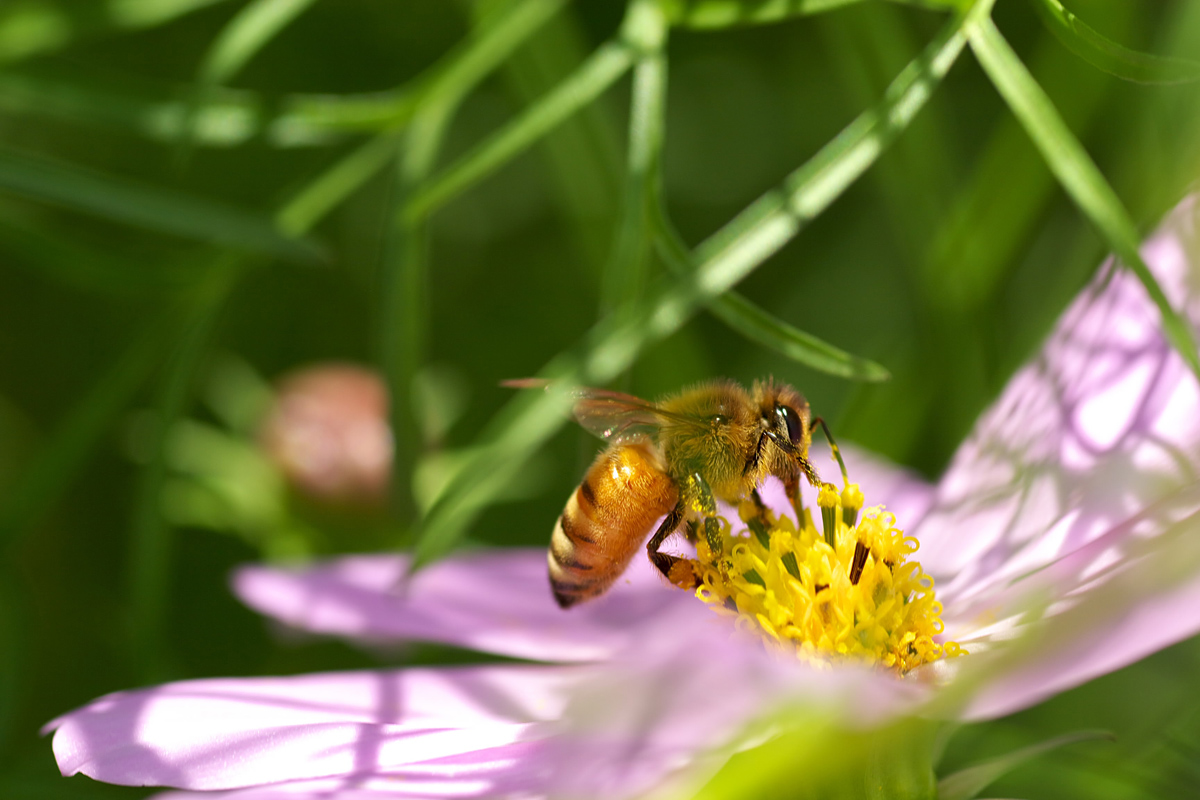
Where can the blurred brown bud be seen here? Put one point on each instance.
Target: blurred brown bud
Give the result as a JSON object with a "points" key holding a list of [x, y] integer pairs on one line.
{"points": [[328, 432]]}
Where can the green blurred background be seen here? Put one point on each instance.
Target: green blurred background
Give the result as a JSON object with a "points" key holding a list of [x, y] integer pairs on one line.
{"points": [[186, 215]]}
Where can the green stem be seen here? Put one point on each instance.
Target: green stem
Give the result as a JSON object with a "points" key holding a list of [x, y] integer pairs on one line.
{"points": [[625, 275]]}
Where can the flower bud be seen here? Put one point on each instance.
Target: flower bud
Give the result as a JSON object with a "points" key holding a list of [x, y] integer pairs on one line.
{"points": [[328, 432]]}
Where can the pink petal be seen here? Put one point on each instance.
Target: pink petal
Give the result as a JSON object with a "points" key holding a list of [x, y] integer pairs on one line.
{"points": [[494, 601], [440, 725], [379, 787], [1149, 604], [1104, 423], [680, 705]]}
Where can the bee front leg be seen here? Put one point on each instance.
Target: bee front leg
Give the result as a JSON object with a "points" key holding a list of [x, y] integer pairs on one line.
{"points": [[677, 570]]}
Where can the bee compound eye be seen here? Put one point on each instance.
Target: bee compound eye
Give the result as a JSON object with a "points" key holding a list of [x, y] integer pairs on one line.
{"points": [[791, 418]]}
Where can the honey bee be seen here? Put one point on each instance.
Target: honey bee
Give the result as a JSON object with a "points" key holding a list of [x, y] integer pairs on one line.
{"points": [[672, 459]]}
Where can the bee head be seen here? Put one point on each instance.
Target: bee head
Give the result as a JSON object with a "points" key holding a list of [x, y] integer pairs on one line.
{"points": [[785, 419]]}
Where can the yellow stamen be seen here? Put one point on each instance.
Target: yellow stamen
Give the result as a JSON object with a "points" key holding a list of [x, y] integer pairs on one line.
{"points": [[804, 592]]}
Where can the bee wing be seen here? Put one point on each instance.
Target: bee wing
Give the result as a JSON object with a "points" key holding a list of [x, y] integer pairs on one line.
{"points": [[615, 416]]}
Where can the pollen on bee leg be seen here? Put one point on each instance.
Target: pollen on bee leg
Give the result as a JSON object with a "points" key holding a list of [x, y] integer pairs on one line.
{"points": [[684, 574], [850, 592]]}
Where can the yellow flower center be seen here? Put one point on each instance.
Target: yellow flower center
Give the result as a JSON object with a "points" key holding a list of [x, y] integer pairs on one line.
{"points": [[849, 592]]}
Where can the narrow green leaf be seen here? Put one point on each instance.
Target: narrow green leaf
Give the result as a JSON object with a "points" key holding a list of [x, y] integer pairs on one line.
{"points": [[1075, 170], [148, 13], [732, 253], [774, 219], [250, 29], [44, 251], [487, 47], [726, 13], [33, 28], [758, 325], [456, 73], [1107, 55], [969, 782], [593, 77], [335, 184], [148, 207]]}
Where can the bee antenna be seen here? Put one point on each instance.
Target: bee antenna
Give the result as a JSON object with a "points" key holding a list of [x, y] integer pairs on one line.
{"points": [[837, 454]]}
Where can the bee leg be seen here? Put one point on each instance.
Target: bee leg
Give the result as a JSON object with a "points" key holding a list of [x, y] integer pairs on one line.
{"points": [[705, 503], [677, 570], [760, 523]]}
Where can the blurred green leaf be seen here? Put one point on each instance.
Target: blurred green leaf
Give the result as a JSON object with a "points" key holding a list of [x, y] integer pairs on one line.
{"points": [[759, 325], [44, 251], [147, 13], [726, 13], [336, 183], [624, 276], [226, 119], [250, 29], [152, 208], [1107, 55], [600, 71], [33, 27], [1076, 171], [969, 782], [457, 72], [721, 261]]}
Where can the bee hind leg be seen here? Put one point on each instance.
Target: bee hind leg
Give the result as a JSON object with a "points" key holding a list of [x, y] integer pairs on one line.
{"points": [[677, 570]]}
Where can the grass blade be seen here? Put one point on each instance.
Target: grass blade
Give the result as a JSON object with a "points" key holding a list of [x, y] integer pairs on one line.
{"points": [[600, 71], [1107, 55], [624, 275], [250, 29], [31, 29], [758, 325], [148, 207], [727, 257], [335, 184], [1075, 170], [707, 14]]}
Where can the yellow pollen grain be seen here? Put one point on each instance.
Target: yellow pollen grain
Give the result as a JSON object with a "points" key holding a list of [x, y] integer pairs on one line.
{"points": [[796, 591]]}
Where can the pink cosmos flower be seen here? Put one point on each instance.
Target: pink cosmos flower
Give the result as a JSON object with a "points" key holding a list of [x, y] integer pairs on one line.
{"points": [[1063, 540]]}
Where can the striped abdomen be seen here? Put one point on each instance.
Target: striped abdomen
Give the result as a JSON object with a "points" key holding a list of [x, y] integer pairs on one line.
{"points": [[607, 519]]}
